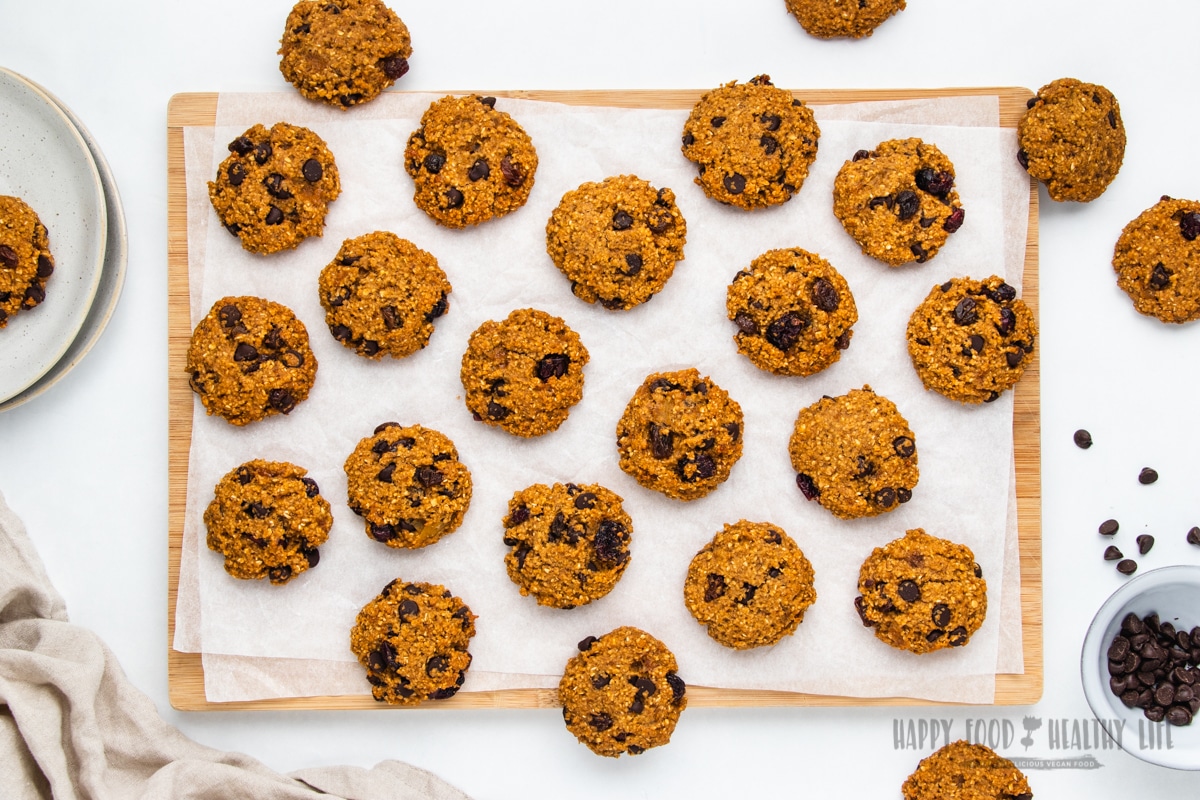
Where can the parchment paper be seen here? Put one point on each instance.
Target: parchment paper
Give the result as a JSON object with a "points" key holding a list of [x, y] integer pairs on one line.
{"points": [[263, 641]]}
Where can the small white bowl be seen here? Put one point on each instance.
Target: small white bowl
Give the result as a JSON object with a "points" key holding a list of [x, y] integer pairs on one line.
{"points": [[1174, 593]]}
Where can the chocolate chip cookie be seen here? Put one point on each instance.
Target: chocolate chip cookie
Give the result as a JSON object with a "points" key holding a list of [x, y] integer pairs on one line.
{"points": [[25, 260], [854, 454], [523, 374], [408, 485], [622, 693], [569, 544], [469, 161], [794, 312], [617, 241], [249, 358], [964, 770], [753, 143], [828, 19], [921, 593], [274, 189], [750, 585], [1157, 259], [898, 201], [1072, 139], [267, 519], [343, 53], [680, 434], [971, 340], [381, 294], [412, 639]]}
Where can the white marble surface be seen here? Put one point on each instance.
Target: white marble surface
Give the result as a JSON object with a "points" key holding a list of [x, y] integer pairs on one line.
{"points": [[85, 464]]}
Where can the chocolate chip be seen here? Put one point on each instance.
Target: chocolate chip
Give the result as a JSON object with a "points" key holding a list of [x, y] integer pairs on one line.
{"points": [[436, 663], [429, 476], [807, 487], [688, 140], [600, 721], [236, 173], [241, 145], [479, 170], [230, 315], [554, 365], [965, 312], [488, 101], [903, 494], [434, 162], [937, 183], [695, 467], [771, 121], [262, 152], [768, 143], [621, 220], [1144, 543], [785, 331], [282, 400], [312, 170], [936, 634], [904, 446], [941, 615], [678, 687], [843, 341], [497, 412], [1193, 536], [274, 186], [1127, 566], [256, 510], [1160, 277], [976, 342], [1147, 476], [1023, 159], [734, 430], [586, 643], [1008, 322], [1083, 439], [954, 221], [1179, 715], [735, 183], [909, 591], [394, 67], [907, 204], [859, 155], [385, 475], [824, 295], [454, 198], [584, 501], [1111, 553], [885, 497], [958, 636], [33, 295], [638, 705], [1189, 225], [274, 216], [717, 122], [1013, 358], [407, 608]]}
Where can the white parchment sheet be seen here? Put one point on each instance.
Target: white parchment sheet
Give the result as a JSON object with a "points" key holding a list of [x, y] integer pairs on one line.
{"points": [[264, 641]]}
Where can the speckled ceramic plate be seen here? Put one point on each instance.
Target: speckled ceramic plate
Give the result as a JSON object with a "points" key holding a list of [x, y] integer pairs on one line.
{"points": [[112, 275], [45, 161]]}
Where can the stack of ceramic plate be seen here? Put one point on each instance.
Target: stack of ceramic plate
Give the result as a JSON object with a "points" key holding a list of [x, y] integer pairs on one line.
{"points": [[49, 160]]}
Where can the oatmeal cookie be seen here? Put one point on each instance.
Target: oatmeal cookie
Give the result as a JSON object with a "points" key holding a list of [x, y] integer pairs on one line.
{"points": [[25, 260], [753, 143], [274, 189], [971, 340], [794, 312], [750, 585], [381, 294], [965, 771], [617, 241], [525, 373], [921, 593], [343, 53], [854, 454], [622, 693], [570, 544], [1072, 139], [1157, 260], [469, 162], [412, 640], [680, 434], [267, 519], [408, 485], [249, 358], [898, 201], [827, 19]]}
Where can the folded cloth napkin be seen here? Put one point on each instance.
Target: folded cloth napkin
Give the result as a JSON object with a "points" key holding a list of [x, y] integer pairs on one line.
{"points": [[72, 726]]}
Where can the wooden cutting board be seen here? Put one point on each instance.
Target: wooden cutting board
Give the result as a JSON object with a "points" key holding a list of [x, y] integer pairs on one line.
{"points": [[185, 670]]}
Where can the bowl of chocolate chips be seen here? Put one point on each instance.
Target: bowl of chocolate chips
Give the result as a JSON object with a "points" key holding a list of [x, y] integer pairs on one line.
{"points": [[1141, 666]]}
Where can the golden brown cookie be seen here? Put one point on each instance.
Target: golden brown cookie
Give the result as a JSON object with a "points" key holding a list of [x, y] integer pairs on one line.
{"points": [[898, 201], [267, 519], [249, 358], [750, 585], [965, 771], [408, 485], [570, 544], [343, 52], [971, 340], [525, 373], [25, 260], [469, 162], [854, 454], [622, 693], [617, 241], [412, 640], [1157, 259], [794, 312], [827, 19], [680, 434], [381, 294], [1072, 139], [921, 593], [274, 189], [753, 143]]}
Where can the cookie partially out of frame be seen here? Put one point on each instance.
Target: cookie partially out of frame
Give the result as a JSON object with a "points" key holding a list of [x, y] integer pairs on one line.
{"points": [[1072, 139], [469, 161], [828, 19], [1157, 260], [964, 770], [274, 189], [753, 143], [249, 358], [382, 294], [25, 260], [267, 518], [898, 201], [343, 52]]}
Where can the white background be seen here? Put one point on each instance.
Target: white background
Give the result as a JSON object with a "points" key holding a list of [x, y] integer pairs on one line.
{"points": [[85, 465]]}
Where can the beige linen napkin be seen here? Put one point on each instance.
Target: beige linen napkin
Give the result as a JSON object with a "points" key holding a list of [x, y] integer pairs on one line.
{"points": [[73, 726]]}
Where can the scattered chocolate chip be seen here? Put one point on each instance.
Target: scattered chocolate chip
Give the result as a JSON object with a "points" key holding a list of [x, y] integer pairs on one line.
{"points": [[454, 198], [1147, 476], [717, 122], [586, 643], [859, 155], [1144, 543], [633, 264], [909, 591], [312, 170], [241, 145], [768, 143], [1013, 358], [479, 170], [1109, 527], [262, 152], [274, 216], [236, 173], [1160, 277], [1127, 566], [907, 204], [1083, 439], [958, 636], [941, 615], [885, 497], [497, 412], [274, 186], [282, 400], [622, 221], [1111, 553], [904, 446], [735, 183], [695, 467], [1193, 536]]}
